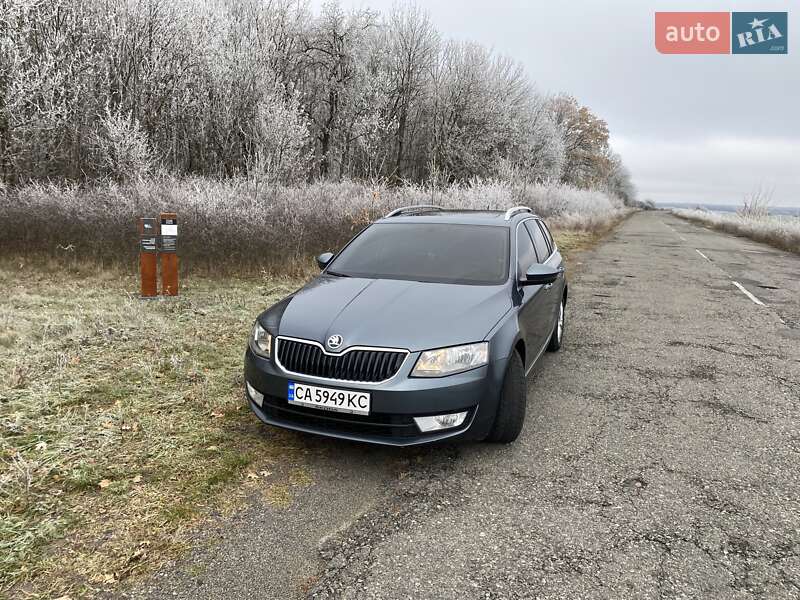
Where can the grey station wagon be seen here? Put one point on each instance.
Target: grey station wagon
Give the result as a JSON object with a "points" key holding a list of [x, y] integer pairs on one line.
{"points": [[422, 328]]}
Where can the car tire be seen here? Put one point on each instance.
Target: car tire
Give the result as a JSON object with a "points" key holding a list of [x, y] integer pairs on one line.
{"points": [[511, 408], [557, 335]]}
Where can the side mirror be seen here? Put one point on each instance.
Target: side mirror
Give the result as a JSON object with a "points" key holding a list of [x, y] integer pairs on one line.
{"points": [[323, 259], [541, 275]]}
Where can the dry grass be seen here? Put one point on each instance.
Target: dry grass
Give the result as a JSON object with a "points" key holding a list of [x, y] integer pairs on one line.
{"points": [[779, 231], [230, 226], [571, 241], [123, 421]]}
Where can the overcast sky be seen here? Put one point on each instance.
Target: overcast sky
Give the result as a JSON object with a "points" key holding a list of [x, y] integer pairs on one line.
{"points": [[691, 128]]}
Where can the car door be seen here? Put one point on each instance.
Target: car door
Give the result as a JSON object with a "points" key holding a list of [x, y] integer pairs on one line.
{"points": [[546, 253], [533, 309]]}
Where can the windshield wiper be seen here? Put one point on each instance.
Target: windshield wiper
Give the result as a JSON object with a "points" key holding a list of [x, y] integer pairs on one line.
{"points": [[335, 274]]}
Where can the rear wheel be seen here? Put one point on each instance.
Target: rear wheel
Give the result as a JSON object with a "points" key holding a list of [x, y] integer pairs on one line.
{"points": [[558, 329], [511, 408]]}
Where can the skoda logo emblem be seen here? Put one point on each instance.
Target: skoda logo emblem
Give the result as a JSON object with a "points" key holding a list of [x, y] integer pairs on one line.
{"points": [[334, 342]]}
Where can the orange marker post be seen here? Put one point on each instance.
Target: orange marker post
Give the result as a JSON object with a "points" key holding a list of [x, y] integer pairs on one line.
{"points": [[148, 252], [169, 254]]}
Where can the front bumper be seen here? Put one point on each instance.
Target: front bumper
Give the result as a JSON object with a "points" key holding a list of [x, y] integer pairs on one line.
{"points": [[394, 403]]}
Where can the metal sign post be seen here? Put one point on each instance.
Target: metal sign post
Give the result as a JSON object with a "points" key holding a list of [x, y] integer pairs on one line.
{"points": [[169, 254], [148, 250]]}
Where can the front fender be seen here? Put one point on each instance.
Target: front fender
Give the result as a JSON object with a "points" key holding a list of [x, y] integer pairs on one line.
{"points": [[505, 336]]}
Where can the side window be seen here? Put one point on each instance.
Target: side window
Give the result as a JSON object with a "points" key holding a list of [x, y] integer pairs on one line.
{"points": [[547, 236], [526, 255], [542, 251]]}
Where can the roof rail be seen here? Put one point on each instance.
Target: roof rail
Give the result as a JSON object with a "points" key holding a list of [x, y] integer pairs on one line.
{"points": [[516, 209], [412, 208]]}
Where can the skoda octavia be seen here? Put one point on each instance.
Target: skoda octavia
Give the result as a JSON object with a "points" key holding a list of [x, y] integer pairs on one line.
{"points": [[422, 328]]}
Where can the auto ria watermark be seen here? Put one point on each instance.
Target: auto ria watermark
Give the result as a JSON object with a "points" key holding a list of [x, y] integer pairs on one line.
{"points": [[722, 32]]}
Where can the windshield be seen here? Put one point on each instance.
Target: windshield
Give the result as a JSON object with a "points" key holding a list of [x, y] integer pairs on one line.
{"points": [[431, 252]]}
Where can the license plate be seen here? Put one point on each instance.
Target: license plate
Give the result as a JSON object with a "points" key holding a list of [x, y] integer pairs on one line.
{"points": [[347, 401]]}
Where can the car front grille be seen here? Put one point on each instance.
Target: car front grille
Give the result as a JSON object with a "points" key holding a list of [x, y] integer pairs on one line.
{"points": [[369, 366]]}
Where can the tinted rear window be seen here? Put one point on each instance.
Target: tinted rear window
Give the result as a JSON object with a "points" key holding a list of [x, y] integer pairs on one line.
{"points": [[526, 255], [547, 235], [542, 250], [431, 252]]}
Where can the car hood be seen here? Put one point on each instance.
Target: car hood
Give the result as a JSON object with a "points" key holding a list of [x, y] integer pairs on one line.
{"points": [[391, 313]]}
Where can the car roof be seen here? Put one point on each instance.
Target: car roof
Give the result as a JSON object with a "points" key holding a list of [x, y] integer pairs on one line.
{"points": [[458, 217]]}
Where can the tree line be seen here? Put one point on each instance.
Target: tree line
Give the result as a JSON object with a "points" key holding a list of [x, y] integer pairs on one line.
{"points": [[269, 90]]}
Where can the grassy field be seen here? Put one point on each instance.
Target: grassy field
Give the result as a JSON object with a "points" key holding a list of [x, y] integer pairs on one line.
{"points": [[123, 424], [776, 230]]}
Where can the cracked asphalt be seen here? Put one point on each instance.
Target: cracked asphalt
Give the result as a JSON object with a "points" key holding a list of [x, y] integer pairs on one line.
{"points": [[660, 458]]}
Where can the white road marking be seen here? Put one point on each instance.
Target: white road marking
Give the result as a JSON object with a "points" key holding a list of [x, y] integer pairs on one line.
{"points": [[703, 255], [742, 289], [748, 294], [675, 231]]}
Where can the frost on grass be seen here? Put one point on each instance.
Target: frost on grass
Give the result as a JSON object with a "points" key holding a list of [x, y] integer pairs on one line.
{"points": [[776, 230], [121, 422], [235, 224]]}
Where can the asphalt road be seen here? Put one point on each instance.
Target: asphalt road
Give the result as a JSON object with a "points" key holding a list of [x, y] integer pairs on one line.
{"points": [[660, 458]]}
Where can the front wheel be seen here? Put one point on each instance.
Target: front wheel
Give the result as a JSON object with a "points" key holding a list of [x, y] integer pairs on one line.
{"points": [[511, 408], [558, 329]]}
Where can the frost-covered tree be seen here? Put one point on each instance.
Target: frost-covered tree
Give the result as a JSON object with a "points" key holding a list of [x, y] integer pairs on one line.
{"points": [[331, 78], [280, 141], [51, 66], [485, 114], [267, 89], [123, 150], [618, 183], [411, 51]]}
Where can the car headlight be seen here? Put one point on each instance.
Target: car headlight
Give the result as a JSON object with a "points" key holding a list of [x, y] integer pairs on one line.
{"points": [[261, 341], [447, 361]]}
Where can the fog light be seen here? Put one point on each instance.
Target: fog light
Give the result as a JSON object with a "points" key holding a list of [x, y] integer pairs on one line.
{"points": [[255, 395], [440, 421]]}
